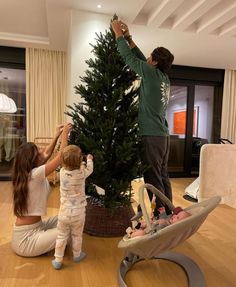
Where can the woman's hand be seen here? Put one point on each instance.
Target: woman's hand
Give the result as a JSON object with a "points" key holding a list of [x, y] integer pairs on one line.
{"points": [[59, 130], [67, 128], [64, 135]]}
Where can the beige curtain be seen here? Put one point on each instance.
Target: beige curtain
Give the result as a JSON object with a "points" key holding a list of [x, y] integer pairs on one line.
{"points": [[228, 123], [45, 91]]}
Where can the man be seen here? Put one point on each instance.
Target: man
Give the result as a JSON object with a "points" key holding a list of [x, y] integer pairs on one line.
{"points": [[153, 100]]}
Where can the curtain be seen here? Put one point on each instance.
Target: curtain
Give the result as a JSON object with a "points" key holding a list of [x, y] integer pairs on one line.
{"points": [[46, 79], [228, 120]]}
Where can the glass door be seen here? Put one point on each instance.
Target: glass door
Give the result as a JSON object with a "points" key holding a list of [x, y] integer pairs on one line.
{"points": [[194, 115], [190, 117]]}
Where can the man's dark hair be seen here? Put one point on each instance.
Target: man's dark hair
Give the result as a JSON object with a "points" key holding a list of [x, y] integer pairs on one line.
{"points": [[164, 58]]}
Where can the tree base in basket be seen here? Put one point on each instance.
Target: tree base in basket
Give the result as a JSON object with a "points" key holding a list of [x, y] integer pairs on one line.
{"points": [[107, 222]]}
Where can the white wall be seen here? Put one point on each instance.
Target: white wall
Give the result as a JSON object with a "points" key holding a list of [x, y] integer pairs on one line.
{"points": [[204, 100], [83, 28]]}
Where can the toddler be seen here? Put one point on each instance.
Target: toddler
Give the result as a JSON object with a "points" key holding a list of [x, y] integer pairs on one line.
{"points": [[71, 215]]}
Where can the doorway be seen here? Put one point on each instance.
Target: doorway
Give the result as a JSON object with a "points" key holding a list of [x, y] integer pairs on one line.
{"points": [[193, 115], [190, 118]]}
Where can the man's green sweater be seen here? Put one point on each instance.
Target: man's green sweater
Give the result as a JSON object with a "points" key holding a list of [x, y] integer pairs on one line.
{"points": [[154, 91]]}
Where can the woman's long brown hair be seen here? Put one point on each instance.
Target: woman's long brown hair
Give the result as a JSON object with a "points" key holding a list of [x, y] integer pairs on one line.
{"points": [[24, 162]]}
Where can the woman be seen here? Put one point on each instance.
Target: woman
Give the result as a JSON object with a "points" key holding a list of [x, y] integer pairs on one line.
{"points": [[32, 236]]}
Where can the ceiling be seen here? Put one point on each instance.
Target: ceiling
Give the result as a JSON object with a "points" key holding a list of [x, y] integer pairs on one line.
{"points": [[45, 23]]}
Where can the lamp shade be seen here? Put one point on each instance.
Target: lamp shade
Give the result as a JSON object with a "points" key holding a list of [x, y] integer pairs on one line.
{"points": [[7, 105]]}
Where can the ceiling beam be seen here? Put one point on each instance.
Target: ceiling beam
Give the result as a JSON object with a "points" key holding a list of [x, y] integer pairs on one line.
{"points": [[195, 12], [218, 19], [229, 29], [163, 11]]}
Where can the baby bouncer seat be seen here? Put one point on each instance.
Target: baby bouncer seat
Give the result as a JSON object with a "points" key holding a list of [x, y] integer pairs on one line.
{"points": [[155, 244]]}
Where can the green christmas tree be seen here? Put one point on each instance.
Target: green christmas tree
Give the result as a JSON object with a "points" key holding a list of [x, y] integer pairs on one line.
{"points": [[105, 124]]}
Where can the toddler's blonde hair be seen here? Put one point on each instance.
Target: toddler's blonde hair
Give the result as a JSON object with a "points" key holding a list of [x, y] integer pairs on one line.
{"points": [[71, 157]]}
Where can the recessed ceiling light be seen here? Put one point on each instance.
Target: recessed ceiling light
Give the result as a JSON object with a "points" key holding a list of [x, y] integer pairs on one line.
{"points": [[99, 6]]}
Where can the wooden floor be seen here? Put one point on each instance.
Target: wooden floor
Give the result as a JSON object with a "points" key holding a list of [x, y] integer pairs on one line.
{"points": [[213, 248]]}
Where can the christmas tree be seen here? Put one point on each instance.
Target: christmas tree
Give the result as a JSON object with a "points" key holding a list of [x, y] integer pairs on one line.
{"points": [[105, 123]]}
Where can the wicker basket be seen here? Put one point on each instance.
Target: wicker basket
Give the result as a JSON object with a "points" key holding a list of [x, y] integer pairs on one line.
{"points": [[107, 222]]}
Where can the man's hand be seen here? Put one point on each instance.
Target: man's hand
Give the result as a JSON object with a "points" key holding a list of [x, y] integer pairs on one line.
{"points": [[126, 33], [116, 27], [125, 29]]}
